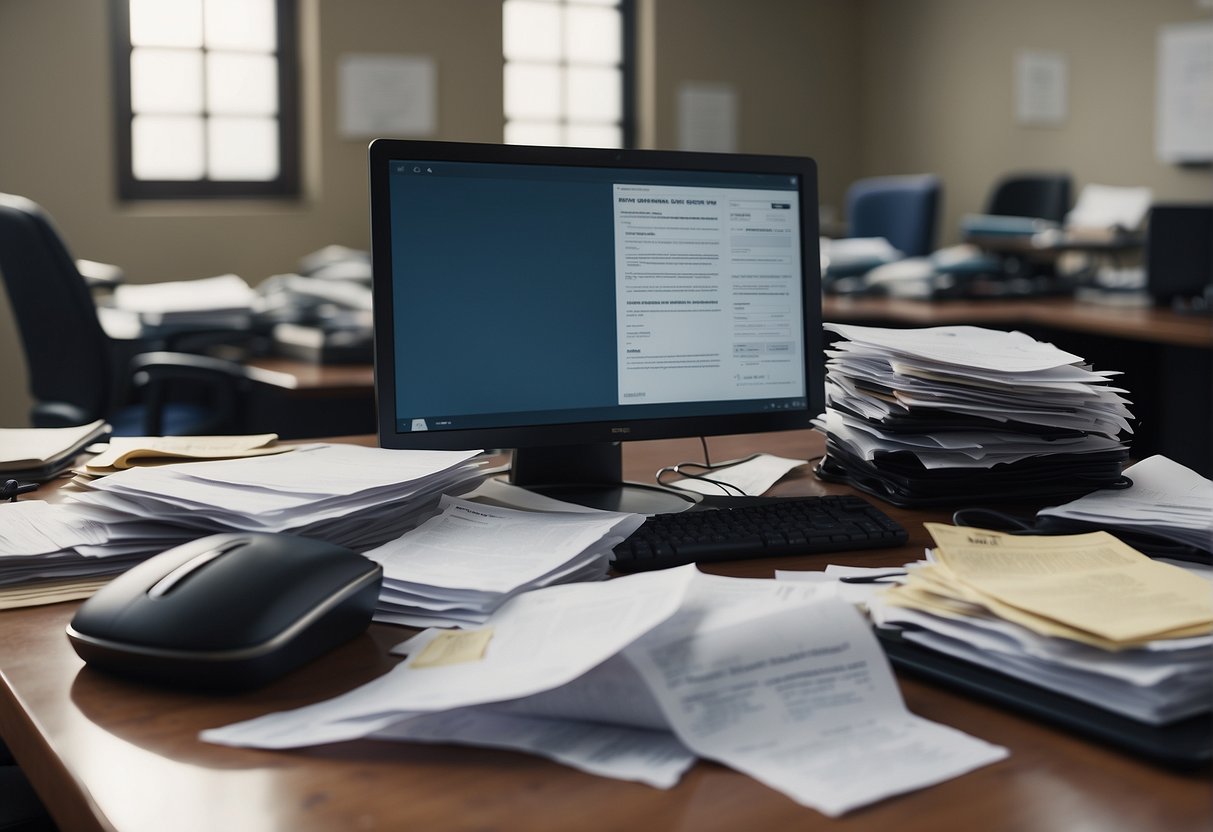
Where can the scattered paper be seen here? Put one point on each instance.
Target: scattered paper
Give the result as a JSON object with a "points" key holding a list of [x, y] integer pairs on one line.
{"points": [[750, 477], [1166, 499], [460, 565], [628, 677]]}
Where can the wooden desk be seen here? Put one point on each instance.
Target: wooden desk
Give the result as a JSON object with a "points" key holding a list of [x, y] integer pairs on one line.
{"points": [[1144, 324], [298, 399], [107, 754]]}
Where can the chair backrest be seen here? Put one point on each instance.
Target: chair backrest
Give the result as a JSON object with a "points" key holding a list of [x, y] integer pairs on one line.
{"points": [[902, 209], [1042, 195], [67, 353]]}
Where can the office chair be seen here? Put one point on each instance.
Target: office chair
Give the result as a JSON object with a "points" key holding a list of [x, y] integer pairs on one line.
{"points": [[1040, 195], [902, 209], [73, 375]]}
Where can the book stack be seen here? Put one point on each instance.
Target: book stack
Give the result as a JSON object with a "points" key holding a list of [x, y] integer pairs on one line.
{"points": [[958, 414]]}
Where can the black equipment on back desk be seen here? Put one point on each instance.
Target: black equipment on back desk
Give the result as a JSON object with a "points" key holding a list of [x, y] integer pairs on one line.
{"points": [[1179, 252], [763, 528]]}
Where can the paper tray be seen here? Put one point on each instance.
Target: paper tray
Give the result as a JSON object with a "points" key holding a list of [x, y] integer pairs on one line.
{"points": [[1184, 744]]}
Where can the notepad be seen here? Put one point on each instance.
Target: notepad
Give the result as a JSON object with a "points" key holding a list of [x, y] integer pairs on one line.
{"points": [[41, 453]]}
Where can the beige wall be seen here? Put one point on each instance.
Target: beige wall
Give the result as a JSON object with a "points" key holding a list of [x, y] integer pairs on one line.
{"points": [[792, 64], [865, 86], [938, 94]]}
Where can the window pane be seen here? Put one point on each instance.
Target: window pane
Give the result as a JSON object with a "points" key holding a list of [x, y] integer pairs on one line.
{"points": [[532, 91], [166, 22], [167, 147], [533, 132], [166, 81], [593, 35], [594, 94], [241, 24], [530, 30], [242, 148], [241, 84], [594, 135]]}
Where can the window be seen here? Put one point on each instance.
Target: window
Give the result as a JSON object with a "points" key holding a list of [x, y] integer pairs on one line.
{"points": [[568, 72], [206, 102]]}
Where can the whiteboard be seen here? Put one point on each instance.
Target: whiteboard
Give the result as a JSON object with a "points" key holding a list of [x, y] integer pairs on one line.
{"points": [[1184, 120]]}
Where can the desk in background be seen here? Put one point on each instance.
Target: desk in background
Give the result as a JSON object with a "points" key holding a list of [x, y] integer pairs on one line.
{"points": [[109, 754], [1166, 357], [298, 399]]}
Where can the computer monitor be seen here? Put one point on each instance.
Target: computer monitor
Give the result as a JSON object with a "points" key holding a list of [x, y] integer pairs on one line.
{"points": [[558, 301]]}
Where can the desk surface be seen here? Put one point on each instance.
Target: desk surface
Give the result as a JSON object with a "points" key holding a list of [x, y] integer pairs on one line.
{"points": [[1147, 324], [107, 754]]}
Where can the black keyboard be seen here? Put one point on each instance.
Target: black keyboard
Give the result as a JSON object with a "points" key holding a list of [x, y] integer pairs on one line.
{"points": [[763, 529]]}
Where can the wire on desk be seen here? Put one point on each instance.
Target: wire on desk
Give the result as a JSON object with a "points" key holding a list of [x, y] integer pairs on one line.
{"points": [[708, 466]]}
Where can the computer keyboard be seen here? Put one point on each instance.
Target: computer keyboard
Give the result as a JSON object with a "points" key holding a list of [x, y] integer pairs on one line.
{"points": [[764, 529]]}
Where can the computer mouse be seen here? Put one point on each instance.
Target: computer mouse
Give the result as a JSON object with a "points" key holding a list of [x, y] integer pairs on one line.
{"points": [[228, 611]]}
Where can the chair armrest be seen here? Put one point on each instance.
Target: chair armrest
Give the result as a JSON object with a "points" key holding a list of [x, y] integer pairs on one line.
{"points": [[58, 415], [227, 382], [99, 275]]}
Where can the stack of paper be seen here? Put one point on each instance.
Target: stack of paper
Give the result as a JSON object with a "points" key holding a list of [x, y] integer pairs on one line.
{"points": [[42, 453], [635, 677], [459, 566], [223, 302], [1166, 501], [1084, 615], [927, 415], [855, 255], [353, 496]]}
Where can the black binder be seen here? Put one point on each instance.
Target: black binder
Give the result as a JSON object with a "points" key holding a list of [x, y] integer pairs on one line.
{"points": [[1185, 744]]}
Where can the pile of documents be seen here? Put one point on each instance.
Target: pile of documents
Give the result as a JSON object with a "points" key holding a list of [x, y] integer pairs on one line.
{"points": [[1167, 511], [221, 303], [352, 496], [1084, 615], [459, 566], [42, 453], [922, 416], [636, 677], [349, 495]]}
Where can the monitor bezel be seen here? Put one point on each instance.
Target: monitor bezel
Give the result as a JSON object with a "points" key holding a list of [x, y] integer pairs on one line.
{"points": [[383, 151]]}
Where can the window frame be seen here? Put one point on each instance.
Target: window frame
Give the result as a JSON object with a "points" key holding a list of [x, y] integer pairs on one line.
{"points": [[286, 184], [627, 66]]}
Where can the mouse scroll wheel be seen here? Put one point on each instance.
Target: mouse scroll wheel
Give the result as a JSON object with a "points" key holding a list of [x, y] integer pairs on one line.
{"points": [[165, 584]]}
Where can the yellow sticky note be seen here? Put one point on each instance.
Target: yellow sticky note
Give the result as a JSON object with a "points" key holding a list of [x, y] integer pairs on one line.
{"points": [[454, 647]]}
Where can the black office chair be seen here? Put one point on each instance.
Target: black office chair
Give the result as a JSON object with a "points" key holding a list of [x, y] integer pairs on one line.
{"points": [[1039, 195], [73, 376]]}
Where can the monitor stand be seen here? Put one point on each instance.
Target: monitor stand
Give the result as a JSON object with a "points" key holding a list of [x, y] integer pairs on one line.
{"points": [[591, 476]]}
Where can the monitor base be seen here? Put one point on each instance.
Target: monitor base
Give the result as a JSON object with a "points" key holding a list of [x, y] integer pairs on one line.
{"points": [[592, 476], [630, 497]]}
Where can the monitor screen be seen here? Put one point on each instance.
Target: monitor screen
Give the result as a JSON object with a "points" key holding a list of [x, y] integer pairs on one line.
{"points": [[557, 301]]}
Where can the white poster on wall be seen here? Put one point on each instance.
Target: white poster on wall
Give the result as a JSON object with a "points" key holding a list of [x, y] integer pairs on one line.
{"points": [[1040, 87], [707, 117], [1183, 126], [387, 95]]}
